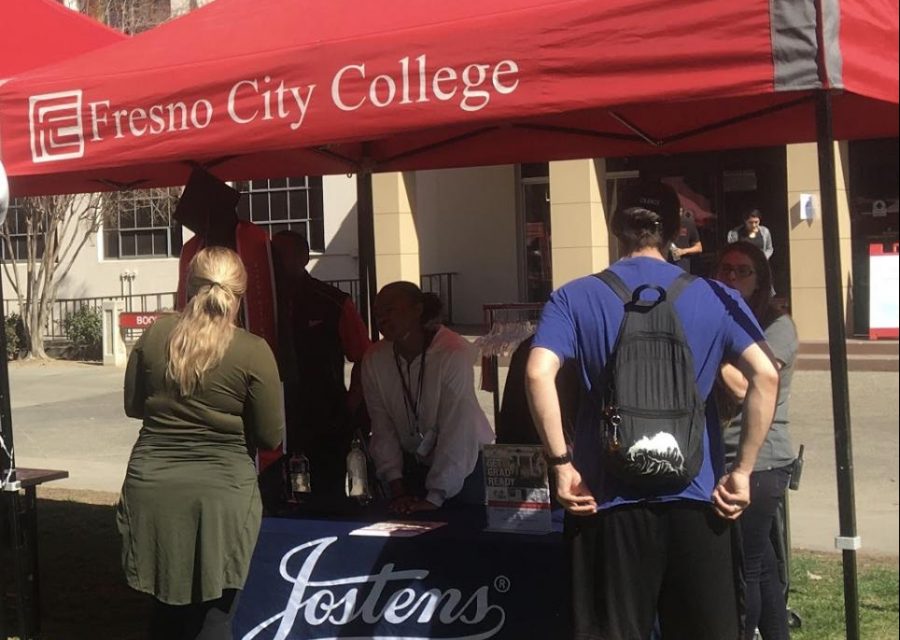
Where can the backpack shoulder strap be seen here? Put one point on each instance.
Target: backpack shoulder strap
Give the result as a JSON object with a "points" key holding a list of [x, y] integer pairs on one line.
{"points": [[615, 283], [678, 286]]}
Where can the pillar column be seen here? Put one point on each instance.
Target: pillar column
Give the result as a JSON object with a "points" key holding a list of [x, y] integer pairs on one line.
{"points": [[808, 302], [396, 240], [580, 236], [114, 351]]}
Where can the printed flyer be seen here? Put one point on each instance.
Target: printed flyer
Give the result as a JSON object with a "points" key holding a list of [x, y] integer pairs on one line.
{"points": [[396, 529], [517, 490]]}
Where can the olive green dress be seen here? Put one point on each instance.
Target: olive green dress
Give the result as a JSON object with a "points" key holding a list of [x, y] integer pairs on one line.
{"points": [[190, 508]]}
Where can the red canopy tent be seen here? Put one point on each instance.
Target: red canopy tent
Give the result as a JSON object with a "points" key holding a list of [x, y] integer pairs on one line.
{"points": [[278, 87], [260, 88], [39, 32]]}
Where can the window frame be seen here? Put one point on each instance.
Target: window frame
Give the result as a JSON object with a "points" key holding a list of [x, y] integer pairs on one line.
{"points": [[118, 235], [16, 208], [289, 191]]}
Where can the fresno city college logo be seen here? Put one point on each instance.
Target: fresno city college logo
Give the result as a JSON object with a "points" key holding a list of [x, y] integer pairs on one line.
{"points": [[55, 123], [63, 122], [323, 607]]}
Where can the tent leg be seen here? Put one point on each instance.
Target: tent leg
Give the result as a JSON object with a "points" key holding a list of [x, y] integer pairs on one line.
{"points": [[837, 338], [7, 461], [7, 471], [365, 230]]}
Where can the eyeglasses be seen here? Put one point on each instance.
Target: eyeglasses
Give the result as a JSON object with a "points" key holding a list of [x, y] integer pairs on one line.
{"points": [[741, 270]]}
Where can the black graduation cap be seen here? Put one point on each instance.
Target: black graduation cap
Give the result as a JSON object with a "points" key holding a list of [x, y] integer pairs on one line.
{"points": [[208, 208]]}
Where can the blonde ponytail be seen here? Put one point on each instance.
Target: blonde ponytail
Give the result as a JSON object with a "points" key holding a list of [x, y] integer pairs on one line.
{"points": [[216, 282]]}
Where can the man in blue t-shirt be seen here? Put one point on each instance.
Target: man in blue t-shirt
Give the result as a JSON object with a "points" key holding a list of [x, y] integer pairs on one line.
{"points": [[634, 557]]}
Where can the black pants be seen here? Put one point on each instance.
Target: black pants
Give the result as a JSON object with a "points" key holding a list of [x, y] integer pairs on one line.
{"points": [[765, 603], [630, 562], [200, 621]]}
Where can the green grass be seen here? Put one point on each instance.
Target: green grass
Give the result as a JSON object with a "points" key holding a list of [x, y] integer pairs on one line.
{"points": [[817, 595]]}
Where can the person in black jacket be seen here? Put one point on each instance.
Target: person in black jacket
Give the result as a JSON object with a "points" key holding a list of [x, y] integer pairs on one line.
{"points": [[318, 327]]}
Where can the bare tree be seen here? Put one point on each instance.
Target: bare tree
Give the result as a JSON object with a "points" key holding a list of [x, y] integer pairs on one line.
{"points": [[130, 16], [46, 233]]}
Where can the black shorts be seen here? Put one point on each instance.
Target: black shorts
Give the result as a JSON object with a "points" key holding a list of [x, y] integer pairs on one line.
{"points": [[673, 560]]}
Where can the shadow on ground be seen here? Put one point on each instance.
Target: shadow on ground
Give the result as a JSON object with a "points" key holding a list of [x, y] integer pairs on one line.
{"points": [[83, 592]]}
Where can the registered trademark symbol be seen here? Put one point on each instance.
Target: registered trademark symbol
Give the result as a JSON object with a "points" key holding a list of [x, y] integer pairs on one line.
{"points": [[501, 584]]}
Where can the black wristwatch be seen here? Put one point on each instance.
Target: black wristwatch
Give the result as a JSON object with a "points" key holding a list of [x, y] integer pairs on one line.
{"points": [[555, 461]]}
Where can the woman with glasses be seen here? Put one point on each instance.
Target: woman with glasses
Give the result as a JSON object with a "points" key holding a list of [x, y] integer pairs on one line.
{"points": [[743, 266]]}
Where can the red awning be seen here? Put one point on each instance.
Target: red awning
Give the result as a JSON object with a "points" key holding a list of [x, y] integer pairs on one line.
{"points": [[34, 33], [258, 88]]}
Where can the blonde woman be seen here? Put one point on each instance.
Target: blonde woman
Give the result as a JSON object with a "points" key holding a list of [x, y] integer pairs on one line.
{"points": [[190, 509]]}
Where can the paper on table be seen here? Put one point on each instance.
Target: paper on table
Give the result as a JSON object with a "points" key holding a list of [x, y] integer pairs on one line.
{"points": [[396, 529]]}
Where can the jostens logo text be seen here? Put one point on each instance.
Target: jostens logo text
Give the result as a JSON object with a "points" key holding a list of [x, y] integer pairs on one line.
{"points": [[322, 607]]}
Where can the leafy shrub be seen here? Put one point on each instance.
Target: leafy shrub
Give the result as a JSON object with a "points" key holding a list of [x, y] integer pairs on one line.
{"points": [[15, 335], [84, 329]]}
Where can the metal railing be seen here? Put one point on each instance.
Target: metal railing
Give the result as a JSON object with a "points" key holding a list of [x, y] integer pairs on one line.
{"points": [[54, 329], [440, 284], [350, 286]]}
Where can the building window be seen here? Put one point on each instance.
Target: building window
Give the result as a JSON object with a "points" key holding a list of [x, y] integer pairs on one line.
{"points": [[281, 204], [138, 224], [16, 232]]}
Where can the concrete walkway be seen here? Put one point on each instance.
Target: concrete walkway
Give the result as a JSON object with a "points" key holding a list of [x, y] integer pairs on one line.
{"points": [[69, 416]]}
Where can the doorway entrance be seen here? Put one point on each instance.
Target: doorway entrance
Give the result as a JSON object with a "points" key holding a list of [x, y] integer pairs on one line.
{"points": [[534, 212]]}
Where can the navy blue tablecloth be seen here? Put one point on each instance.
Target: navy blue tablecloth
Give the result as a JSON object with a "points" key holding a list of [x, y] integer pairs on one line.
{"points": [[311, 580]]}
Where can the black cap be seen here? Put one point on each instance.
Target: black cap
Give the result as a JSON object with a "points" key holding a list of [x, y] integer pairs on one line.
{"points": [[207, 207], [654, 196]]}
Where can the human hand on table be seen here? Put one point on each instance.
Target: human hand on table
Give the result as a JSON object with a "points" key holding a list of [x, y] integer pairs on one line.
{"points": [[572, 493], [410, 504], [401, 503], [422, 505]]}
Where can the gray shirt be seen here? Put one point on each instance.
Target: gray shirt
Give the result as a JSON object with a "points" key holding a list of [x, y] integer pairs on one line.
{"points": [[776, 451]]}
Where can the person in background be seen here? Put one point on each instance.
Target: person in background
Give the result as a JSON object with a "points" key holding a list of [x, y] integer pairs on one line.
{"points": [[634, 554], [318, 327], [750, 230], [190, 511], [742, 266], [427, 425], [687, 242], [514, 424]]}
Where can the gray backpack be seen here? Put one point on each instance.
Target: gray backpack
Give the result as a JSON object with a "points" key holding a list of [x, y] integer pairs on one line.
{"points": [[653, 416]]}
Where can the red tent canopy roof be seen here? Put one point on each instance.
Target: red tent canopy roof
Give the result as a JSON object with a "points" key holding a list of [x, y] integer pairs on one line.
{"points": [[257, 88], [34, 33]]}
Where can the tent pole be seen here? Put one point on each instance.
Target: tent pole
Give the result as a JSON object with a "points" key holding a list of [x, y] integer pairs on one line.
{"points": [[848, 541], [365, 230], [7, 460]]}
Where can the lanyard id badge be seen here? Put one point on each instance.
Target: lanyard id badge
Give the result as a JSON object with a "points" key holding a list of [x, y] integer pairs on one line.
{"points": [[424, 439], [410, 402]]}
